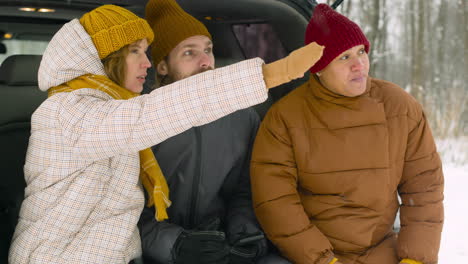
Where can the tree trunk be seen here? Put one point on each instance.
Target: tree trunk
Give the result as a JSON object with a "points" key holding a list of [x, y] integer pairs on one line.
{"points": [[417, 30]]}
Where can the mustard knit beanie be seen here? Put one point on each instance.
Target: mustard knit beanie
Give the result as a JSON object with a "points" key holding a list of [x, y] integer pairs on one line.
{"points": [[112, 27], [171, 25]]}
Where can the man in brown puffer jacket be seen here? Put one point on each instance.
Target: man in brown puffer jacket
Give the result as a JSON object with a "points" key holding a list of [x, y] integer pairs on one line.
{"points": [[332, 157]]}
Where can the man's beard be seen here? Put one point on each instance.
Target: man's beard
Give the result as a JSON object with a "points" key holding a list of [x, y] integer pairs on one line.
{"points": [[172, 77]]}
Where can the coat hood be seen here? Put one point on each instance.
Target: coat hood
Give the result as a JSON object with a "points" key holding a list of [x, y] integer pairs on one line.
{"points": [[70, 54]]}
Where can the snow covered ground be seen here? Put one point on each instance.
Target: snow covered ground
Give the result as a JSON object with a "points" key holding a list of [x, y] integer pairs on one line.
{"points": [[454, 245]]}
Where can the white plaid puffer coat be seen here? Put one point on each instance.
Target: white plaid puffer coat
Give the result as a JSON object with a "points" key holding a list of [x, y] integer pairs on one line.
{"points": [[83, 197]]}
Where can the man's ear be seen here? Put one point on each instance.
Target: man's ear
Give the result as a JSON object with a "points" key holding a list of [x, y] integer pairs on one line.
{"points": [[162, 68]]}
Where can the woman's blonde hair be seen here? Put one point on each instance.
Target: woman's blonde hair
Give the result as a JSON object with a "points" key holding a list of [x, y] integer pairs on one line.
{"points": [[115, 65]]}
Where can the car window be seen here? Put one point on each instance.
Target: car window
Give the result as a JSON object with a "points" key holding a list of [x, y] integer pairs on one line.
{"points": [[16, 46], [259, 40]]}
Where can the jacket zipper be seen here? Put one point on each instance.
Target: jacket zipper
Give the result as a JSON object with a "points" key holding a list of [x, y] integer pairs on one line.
{"points": [[196, 180]]}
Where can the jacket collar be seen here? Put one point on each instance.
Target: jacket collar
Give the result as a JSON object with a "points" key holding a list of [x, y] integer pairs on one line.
{"points": [[320, 92], [338, 111]]}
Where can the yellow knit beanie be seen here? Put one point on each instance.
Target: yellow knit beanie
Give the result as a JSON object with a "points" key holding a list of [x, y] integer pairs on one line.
{"points": [[112, 27], [171, 25]]}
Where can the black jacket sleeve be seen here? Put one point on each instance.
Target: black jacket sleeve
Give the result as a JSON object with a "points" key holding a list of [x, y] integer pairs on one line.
{"points": [[157, 238], [240, 216]]}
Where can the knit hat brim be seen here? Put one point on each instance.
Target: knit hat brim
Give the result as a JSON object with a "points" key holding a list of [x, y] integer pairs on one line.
{"points": [[119, 36], [167, 41]]}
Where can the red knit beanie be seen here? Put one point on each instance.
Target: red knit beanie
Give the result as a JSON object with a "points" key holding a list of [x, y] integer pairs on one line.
{"points": [[335, 31]]}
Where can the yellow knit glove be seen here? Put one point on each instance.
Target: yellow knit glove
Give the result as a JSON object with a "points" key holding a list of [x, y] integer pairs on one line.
{"points": [[410, 261], [333, 261], [293, 66]]}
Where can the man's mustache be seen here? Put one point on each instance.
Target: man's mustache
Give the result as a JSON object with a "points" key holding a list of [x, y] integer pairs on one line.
{"points": [[203, 70]]}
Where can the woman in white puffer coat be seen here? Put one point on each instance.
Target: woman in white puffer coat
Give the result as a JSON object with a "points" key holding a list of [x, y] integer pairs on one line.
{"points": [[89, 140]]}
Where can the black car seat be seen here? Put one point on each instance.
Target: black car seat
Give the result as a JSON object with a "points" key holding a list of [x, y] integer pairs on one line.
{"points": [[19, 97]]}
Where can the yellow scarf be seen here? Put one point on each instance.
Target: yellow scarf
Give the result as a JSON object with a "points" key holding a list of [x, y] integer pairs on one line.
{"points": [[150, 173]]}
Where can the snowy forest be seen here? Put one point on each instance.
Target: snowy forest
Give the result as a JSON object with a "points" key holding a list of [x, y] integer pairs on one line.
{"points": [[422, 46]]}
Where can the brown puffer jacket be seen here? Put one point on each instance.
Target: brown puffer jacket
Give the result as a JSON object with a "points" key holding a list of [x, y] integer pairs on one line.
{"points": [[327, 169]]}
